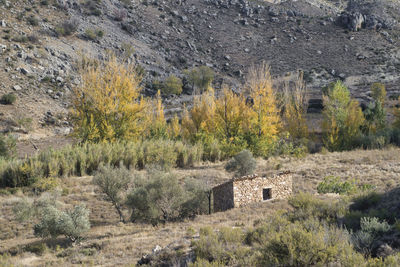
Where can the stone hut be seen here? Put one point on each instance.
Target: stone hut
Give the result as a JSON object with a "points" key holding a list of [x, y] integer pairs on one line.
{"points": [[238, 192]]}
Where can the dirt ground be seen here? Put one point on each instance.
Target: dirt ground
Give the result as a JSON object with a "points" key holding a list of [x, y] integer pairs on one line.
{"points": [[110, 243]]}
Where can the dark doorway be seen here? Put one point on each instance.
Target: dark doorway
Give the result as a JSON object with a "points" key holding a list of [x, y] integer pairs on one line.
{"points": [[267, 193]]}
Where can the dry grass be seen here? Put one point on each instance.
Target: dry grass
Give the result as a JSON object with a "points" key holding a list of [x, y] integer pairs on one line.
{"points": [[110, 243]]}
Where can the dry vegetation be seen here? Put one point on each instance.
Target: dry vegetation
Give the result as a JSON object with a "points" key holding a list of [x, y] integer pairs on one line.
{"points": [[110, 243]]}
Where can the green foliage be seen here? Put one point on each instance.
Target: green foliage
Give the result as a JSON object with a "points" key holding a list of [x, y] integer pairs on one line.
{"points": [[7, 146], [32, 20], [222, 247], [70, 223], [172, 85], [332, 184], [243, 163], [94, 35], [375, 113], [342, 118], [157, 199], [306, 206], [67, 27], [366, 239], [307, 244], [37, 248], [113, 182], [197, 199], [200, 77], [277, 242], [160, 198], [85, 159], [8, 99]]}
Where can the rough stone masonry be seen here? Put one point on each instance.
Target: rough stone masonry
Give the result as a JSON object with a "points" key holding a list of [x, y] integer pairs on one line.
{"points": [[241, 191]]}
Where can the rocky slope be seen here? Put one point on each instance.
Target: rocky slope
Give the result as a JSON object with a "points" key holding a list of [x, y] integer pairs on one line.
{"points": [[356, 41]]}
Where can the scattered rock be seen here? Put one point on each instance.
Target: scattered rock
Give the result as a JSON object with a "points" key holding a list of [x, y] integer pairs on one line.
{"points": [[17, 87]]}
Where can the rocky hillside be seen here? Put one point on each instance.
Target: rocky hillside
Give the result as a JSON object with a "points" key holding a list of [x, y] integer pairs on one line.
{"points": [[356, 41]]}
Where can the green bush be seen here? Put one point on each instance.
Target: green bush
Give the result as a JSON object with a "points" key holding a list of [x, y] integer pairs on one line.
{"points": [[70, 223], [94, 35], [243, 163], [85, 159], [7, 146], [307, 244], [172, 85], [159, 197], [67, 27], [223, 247], [199, 77], [37, 248], [8, 99], [156, 199], [32, 20], [307, 206], [366, 239], [332, 184], [113, 182]]}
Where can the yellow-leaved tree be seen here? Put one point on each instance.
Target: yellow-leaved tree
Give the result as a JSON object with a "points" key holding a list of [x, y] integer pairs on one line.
{"points": [[107, 106], [200, 119], [264, 122], [295, 108], [343, 118], [230, 114], [156, 125]]}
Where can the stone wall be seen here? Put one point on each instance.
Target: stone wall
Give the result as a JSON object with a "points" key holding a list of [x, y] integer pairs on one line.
{"points": [[223, 196], [250, 189]]}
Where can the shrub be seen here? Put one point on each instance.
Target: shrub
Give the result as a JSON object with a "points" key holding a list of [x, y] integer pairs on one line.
{"points": [[8, 99], [200, 77], [332, 184], [67, 27], [71, 223], [160, 198], [157, 199], [242, 163], [94, 35], [20, 39], [342, 118], [7, 146], [366, 239], [37, 248], [32, 20], [308, 244], [198, 199], [365, 201], [307, 206], [113, 182], [222, 247], [172, 85], [85, 159]]}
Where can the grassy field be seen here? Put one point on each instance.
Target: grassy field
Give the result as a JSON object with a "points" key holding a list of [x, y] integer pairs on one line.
{"points": [[110, 243]]}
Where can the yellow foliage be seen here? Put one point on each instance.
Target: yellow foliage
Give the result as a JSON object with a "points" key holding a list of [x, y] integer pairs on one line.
{"points": [[155, 123], [230, 115], [107, 105], [264, 119], [174, 128], [201, 117], [295, 103], [343, 118]]}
